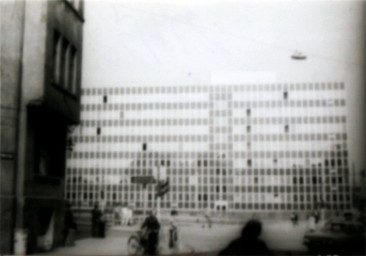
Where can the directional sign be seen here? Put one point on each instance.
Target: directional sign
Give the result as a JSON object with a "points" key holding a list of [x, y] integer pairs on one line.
{"points": [[142, 179]]}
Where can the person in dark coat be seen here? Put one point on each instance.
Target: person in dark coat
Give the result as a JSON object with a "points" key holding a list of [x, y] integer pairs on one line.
{"points": [[69, 226], [151, 226], [248, 243], [102, 224], [96, 216]]}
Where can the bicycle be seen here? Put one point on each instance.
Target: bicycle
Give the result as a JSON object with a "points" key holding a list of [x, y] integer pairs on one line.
{"points": [[136, 243]]}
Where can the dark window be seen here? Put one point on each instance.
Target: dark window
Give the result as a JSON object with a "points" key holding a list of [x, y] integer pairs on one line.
{"points": [[57, 45], [98, 130], [287, 128], [326, 162], [63, 62], [285, 95], [105, 99]]}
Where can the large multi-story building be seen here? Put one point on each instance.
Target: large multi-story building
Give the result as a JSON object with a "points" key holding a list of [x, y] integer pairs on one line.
{"points": [[41, 50], [233, 148]]}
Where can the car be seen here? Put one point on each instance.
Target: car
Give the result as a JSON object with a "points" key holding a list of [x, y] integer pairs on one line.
{"points": [[337, 237]]}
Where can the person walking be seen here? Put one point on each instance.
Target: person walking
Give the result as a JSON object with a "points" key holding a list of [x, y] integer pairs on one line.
{"points": [[151, 226], [294, 218], [96, 215], [102, 224], [208, 219], [173, 236], [70, 227], [248, 243], [312, 222]]}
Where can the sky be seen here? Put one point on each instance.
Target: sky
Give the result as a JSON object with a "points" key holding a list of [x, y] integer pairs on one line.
{"points": [[160, 42]]}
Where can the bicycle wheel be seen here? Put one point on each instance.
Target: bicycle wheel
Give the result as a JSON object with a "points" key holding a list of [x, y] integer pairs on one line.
{"points": [[133, 246]]}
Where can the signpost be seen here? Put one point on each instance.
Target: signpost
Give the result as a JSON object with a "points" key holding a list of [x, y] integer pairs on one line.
{"points": [[162, 185], [144, 180]]}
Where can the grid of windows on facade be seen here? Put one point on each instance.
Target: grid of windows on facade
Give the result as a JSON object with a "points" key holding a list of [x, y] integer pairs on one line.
{"points": [[233, 148]]}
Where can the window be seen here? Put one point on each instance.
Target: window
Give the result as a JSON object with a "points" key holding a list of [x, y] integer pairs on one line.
{"points": [[98, 131], [249, 162], [57, 42], [67, 67], [287, 128], [285, 95], [105, 99], [64, 64]]}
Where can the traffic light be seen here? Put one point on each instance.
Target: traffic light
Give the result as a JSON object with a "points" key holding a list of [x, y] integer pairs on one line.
{"points": [[162, 187]]}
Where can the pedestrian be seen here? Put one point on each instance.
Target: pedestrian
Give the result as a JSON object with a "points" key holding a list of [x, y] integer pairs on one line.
{"points": [[173, 237], [294, 218], [248, 243], [102, 224], [117, 216], [312, 222], [70, 227], [151, 226], [173, 243], [316, 216], [96, 215], [129, 213], [122, 214], [207, 219]]}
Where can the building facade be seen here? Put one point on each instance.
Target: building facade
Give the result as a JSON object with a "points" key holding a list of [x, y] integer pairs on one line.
{"points": [[225, 148], [40, 98]]}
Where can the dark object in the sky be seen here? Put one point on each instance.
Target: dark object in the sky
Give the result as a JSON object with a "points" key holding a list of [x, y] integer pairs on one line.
{"points": [[298, 56]]}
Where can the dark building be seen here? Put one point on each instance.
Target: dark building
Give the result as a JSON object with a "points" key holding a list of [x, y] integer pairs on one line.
{"points": [[40, 99]]}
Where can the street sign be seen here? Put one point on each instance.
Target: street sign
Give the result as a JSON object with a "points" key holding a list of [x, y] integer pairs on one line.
{"points": [[142, 179]]}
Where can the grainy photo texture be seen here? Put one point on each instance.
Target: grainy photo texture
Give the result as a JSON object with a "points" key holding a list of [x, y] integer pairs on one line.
{"points": [[185, 127]]}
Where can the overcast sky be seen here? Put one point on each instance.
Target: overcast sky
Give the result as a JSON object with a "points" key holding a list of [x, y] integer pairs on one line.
{"points": [[204, 42]]}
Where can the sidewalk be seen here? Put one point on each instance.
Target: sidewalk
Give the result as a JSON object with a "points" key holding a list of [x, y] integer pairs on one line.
{"points": [[193, 239]]}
